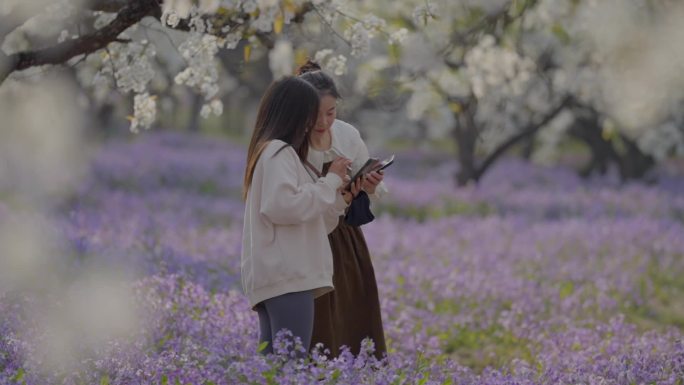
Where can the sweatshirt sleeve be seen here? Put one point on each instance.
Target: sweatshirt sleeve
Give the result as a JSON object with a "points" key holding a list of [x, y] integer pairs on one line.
{"points": [[332, 216], [284, 201]]}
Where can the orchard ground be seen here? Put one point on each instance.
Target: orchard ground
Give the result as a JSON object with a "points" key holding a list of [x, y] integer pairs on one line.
{"points": [[535, 276]]}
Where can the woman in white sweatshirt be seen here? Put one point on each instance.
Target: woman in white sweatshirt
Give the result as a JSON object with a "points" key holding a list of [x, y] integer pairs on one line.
{"points": [[286, 259]]}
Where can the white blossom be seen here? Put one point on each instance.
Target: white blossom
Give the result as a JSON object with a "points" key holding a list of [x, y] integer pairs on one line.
{"points": [[281, 59], [63, 36], [359, 38], [373, 23], [214, 107], [423, 13], [550, 138], [208, 6], [170, 18], [337, 65], [328, 61], [492, 68], [452, 83], [131, 65], [202, 70], [662, 141], [232, 40], [264, 23], [328, 11], [104, 19], [205, 111], [179, 7], [263, 4], [321, 55], [249, 6], [217, 107], [399, 36], [369, 71], [144, 111], [423, 100]]}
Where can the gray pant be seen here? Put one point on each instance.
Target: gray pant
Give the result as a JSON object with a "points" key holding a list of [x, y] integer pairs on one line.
{"points": [[291, 311]]}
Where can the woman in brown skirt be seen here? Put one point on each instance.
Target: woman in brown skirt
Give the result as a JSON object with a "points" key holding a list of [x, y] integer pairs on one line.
{"points": [[350, 313]]}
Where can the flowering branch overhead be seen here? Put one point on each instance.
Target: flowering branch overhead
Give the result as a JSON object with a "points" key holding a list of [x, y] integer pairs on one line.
{"points": [[62, 52], [128, 13]]}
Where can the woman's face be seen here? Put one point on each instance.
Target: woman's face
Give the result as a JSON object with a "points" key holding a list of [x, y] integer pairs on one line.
{"points": [[327, 112]]}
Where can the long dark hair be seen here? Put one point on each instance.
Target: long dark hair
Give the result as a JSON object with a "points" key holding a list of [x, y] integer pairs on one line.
{"points": [[312, 73], [287, 112]]}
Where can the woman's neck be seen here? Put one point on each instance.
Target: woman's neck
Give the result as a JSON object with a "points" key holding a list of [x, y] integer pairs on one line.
{"points": [[321, 141]]}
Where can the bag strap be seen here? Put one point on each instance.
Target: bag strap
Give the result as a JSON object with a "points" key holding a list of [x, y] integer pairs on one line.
{"points": [[312, 168]]}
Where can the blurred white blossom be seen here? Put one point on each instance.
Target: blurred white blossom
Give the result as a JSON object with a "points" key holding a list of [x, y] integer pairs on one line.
{"points": [[281, 59], [249, 6], [208, 6], [321, 55], [267, 3], [104, 19], [144, 111], [216, 107], [662, 141], [63, 36], [373, 23], [231, 40], [359, 38], [399, 36], [170, 18], [181, 8], [423, 100], [423, 13], [336, 64], [493, 68]]}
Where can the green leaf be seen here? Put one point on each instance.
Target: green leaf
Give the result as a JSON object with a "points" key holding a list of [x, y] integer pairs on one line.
{"points": [[19, 377], [104, 380], [566, 289], [560, 33], [262, 346], [165, 380], [519, 6]]}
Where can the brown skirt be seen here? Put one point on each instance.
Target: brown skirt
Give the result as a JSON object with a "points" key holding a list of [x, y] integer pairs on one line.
{"points": [[351, 312]]}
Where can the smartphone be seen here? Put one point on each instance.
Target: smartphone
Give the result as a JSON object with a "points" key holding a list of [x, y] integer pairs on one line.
{"points": [[385, 163], [372, 164]]}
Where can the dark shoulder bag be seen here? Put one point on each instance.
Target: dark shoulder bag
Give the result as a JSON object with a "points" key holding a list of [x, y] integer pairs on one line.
{"points": [[359, 212]]}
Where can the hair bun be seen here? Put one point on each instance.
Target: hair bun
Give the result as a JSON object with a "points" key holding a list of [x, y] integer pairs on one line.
{"points": [[309, 66]]}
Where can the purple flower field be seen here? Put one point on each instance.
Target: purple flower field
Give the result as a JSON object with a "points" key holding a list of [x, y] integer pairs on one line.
{"points": [[534, 277]]}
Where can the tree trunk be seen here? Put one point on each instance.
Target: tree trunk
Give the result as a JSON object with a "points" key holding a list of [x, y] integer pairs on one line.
{"points": [[196, 107], [587, 129], [634, 163], [465, 134], [528, 148]]}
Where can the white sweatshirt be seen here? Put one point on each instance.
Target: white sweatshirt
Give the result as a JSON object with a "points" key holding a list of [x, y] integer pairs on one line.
{"points": [[287, 219]]}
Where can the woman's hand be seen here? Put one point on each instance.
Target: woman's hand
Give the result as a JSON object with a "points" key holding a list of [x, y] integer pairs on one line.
{"points": [[340, 166], [355, 190], [371, 181]]}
